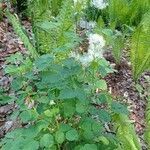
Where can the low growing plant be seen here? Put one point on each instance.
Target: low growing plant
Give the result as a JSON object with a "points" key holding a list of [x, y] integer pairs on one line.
{"points": [[57, 107]]}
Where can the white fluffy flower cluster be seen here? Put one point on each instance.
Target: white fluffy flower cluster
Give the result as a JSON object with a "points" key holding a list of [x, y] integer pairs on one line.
{"points": [[95, 50], [87, 25], [99, 4]]}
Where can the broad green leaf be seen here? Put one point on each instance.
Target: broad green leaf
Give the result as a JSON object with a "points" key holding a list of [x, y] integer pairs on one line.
{"points": [[26, 116], [119, 108], [47, 140], [89, 147], [101, 84], [4, 99], [64, 127], [30, 144], [69, 108], [52, 112], [72, 135], [60, 137], [17, 84], [42, 124], [43, 99], [81, 107], [30, 132], [16, 58], [104, 140], [102, 98], [43, 62], [96, 128], [14, 133], [104, 115], [67, 94]]}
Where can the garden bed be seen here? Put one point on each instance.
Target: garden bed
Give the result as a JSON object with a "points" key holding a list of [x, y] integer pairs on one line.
{"points": [[120, 83]]}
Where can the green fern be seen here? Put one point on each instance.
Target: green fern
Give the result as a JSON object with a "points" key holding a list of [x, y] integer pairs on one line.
{"points": [[126, 133], [55, 7], [117, 45], [140, 49], [40, 11], [19, 30], [136, 11], [118, 11], [129, 12], [49, 27]]}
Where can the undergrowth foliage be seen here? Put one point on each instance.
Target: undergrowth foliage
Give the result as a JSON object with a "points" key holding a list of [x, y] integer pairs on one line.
{"points": [[53, 31], [140, 52], [21, 33], [130, 18], [63, 104], [57, 107]]}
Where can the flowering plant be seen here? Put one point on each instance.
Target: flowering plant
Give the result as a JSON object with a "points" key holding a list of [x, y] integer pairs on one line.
{"points": [[95, 50], [99, 4]]}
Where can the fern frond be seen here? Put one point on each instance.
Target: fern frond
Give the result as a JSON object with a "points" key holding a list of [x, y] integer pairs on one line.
{"points": [[137, 9], [140, 49], [117, 45], [126, 133], [18, 29], [118, 11], [49, 30]]}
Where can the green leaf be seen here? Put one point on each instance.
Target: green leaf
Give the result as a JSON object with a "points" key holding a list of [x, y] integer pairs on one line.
{"points": [[43, 99], [17, 84], [90, 128], [65, 127], [28, 115], [69, 108], [25, 116], [16, 58], [96, 128], [67, 94], [47, 140], [104, 115], [101, 84], [47, 26], [43, 62], [104, 140], [102, 98], [4, 99], [13, 19], [119, 108], [140, 47], [88, 135], [86, 124], [30, 132], [14, 133], [81, 107], [72, 135], [60, 137], [30, 144], [42, 124], [89, 147], [52, 112]]}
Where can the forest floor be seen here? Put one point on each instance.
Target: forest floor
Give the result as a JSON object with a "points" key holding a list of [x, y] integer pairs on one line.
{"points": [[120, 83]]}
